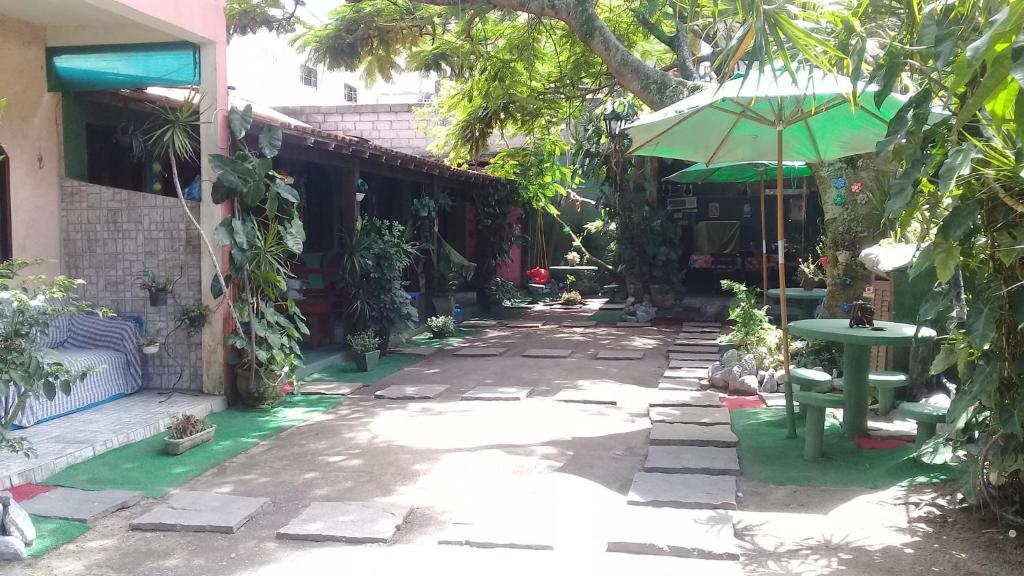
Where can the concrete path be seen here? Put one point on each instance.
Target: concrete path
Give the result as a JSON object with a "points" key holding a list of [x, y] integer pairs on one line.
{"points": [[530, 486]]}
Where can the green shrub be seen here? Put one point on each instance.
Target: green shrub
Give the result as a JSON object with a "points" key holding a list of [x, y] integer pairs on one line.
{"points": [[753, 332], [502, 291], [572, 298], [364, 342], [441, 326]]}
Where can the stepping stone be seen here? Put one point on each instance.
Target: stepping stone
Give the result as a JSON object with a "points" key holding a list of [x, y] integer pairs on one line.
{"points": [[525, 324], [687, 331], [686, 373], [685, 398], [692, 460], [498, 393], [353, 522], [702, 356], [522, 530], [479, 324], [547, 353], [690, 349], [682, 491], [688, 363], [705, 534], [480, 352], [329, 388], [411, 392], [775, 398], [632, 324], [613, 306], [703, 324], [620, 355], [80, 505], [719, 435], [424, 351], [201, 512], [587, 396], [579, 324], [699, 337], [690, 415], [680, 384]]}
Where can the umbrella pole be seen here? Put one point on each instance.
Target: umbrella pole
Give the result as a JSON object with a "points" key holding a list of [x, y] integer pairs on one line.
{"points": [[783, 319], [764, 248]]}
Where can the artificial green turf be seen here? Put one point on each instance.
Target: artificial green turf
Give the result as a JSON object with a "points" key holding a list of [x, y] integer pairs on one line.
{"points": [[51, 533], [426, 339], [606, 316], [348, 372], [766, 455], [146, 467]]}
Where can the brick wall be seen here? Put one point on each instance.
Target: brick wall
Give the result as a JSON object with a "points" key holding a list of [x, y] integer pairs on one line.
{"points": [[110, 235], [389, 125]]}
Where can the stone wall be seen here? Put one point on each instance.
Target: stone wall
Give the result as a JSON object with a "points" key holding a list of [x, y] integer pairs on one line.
{"points": [[389, 125], [109, 236]]}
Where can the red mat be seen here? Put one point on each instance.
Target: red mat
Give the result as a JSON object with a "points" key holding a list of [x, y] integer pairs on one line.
{"points": [[23, 492], [868, 443], [740, 402]]}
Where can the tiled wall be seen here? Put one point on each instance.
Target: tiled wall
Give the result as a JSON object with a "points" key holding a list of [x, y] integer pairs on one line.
{"points": [[390, 125], [109, 236]]}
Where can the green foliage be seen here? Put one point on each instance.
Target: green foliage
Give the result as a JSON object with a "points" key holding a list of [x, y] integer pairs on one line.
{"points": [[363, 342], [441, 326], [813, 353], [495, 232], [374, 261], [251, 16], [27, 307], [265, 236], [185, 425], [150, 282], [752, 331], [502, 292], [571, 298]]}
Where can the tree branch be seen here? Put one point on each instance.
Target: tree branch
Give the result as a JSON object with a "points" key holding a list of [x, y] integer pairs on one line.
{"points": [[651, 85]]}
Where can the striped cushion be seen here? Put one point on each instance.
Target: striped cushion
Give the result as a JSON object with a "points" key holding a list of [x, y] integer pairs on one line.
{"points": [[57, 332]]}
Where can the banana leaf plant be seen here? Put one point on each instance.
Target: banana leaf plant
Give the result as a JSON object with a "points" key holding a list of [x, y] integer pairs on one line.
{"points": [[265, 236]]}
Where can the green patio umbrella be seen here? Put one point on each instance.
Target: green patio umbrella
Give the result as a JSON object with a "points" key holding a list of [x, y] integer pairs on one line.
{"points": [[803, 116], [740, 172]]}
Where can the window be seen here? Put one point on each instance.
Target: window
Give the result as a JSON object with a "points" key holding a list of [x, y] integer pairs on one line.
{"points": [[351, 94], [308, 76]]}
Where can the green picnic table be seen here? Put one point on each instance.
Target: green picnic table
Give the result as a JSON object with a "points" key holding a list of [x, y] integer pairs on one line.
{"points": [[857, 343], [807, 300]]}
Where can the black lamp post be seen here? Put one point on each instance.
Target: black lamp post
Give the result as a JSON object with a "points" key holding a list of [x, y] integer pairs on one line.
{"points": [[614, 121]]}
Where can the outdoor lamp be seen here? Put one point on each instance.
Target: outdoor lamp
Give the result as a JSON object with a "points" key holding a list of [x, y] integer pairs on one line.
{"points": [[614, 122]]}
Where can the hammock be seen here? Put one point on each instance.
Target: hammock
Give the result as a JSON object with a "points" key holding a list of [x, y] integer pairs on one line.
{"points": [[452, 264]]}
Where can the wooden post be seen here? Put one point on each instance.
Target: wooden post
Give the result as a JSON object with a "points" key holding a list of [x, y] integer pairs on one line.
{"points": [[783, 317], [764, 246]]}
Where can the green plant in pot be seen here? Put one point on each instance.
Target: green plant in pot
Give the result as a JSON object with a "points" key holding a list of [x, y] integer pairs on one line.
{"points": [[158, 287], [365, 349], [441, 326], [265, 235], [186, 432]]}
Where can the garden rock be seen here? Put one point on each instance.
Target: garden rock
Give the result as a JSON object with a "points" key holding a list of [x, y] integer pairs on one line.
{"points": [[745, 386], [761, 374], [716, 376], [731, 358], [748, 365], [770, 384], [16, 522], [12, 549]]}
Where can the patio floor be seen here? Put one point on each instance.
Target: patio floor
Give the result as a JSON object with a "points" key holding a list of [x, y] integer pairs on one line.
{"points": [[65, 441]]}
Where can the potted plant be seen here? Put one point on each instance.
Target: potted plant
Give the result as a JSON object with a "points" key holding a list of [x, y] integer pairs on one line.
{"points": [[572, 298], [366, 349], [810, 274], [149, 346], [573, 258], [186, 432], [441, 326], [158, 288]]}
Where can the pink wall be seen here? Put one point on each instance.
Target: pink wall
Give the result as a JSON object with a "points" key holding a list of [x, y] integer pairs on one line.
{"points": [[513, 269], [202, 20]]}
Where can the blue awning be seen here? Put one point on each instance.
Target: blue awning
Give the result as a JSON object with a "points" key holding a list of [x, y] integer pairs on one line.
{"points": [[117, 66]]}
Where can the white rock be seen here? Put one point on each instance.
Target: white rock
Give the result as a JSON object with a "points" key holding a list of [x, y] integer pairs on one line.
{"points": [[717, 376], [731, 358], [745, 386], [17, 522], [770, 384], [12, 548], [748, 365]]}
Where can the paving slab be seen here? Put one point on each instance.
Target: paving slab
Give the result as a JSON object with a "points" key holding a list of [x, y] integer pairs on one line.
{"points": [[686, 361], [201, 512], [704, 534], [690, 415], [620, 355], [525, 324], [329, 388], [713, 461], [698, 338], [479, 324], [523, 530], [547, 353], [352, 522], [718, 435], [699, 398], [775, 399], [423, 351], [687, 330], [480, 352], [632, 324], [579, 324], [411, 392], [80, 505], [683, 491], [685, 373], [689, 348], [680, 384], [498, 393], [588, 396], [700, 324], [613, 306]]}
